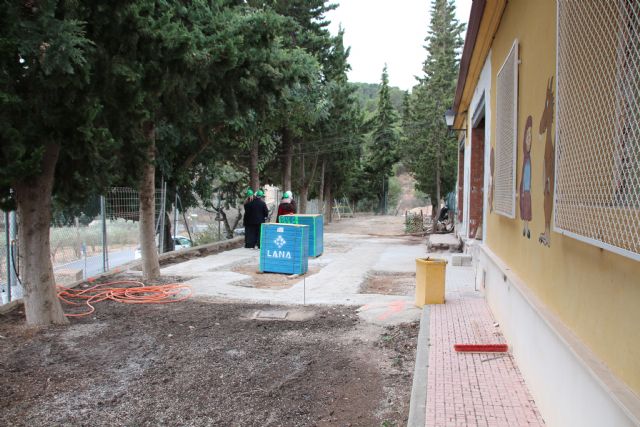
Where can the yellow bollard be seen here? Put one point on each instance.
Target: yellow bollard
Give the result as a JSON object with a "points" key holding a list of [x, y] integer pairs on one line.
{"points": [[430, 274]]}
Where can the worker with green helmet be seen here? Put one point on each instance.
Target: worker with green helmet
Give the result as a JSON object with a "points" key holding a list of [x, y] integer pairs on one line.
{"points": [[255, 213], [249, 198], [287, 205]]}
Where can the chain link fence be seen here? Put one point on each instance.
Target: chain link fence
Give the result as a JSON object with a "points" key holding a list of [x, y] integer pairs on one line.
{"points": [[105, 235], [9, 285]]}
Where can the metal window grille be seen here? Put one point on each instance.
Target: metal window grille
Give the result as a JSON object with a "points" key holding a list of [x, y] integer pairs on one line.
{"points": [[504, 198], [597, 188]]}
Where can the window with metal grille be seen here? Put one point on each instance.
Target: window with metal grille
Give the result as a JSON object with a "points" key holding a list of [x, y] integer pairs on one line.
{"points": [[597, 187], [504, 189]]}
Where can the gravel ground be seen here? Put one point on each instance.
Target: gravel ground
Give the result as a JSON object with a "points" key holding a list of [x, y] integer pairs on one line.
{"points": [[200, 363]]}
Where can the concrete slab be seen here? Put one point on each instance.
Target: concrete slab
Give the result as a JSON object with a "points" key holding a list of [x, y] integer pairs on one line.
{"points": [[271, 314], [461, 259], [343, 267], [400, 258], [210, 263]]}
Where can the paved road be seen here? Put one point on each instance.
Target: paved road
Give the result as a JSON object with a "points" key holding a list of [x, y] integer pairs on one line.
{"points": [[94, 263]]}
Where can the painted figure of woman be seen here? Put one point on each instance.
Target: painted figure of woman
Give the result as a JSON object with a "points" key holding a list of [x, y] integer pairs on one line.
{"points": [[525, 180]]}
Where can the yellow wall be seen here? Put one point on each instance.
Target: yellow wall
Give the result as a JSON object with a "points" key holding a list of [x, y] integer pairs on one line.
{"points": [[594, 292]]}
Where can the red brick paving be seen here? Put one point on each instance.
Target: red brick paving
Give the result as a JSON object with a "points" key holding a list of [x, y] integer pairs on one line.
{"points": [[473, 389]]}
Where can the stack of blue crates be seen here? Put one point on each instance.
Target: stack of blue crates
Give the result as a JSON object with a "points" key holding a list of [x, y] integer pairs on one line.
{"points": [[316, 232], [284, 248]]}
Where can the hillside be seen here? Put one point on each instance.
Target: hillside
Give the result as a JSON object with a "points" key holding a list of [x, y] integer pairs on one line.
{"points": [[367, 94]]}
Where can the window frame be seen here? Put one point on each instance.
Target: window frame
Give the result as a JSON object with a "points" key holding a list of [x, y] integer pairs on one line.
{"points": [[512, 214]]}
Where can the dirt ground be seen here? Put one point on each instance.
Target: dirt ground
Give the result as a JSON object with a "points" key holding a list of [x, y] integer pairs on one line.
{"points": [[386, 283], [202, 363], [369, 225]]}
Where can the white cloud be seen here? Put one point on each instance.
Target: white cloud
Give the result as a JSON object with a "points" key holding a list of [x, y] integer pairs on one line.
{"points": [[386, 31]]}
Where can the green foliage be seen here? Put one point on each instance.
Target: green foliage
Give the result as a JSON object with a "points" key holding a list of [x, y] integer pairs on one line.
{"points": [[428, 150], [383, 152], [367, 95], [47, 100]]}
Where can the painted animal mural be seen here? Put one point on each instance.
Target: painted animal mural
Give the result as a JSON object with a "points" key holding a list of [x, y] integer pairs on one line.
{"points": [[525, 179], [548, 167]]}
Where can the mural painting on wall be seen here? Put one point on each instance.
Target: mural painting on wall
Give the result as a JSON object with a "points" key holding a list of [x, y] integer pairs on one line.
{"points": [[525, 179], [546, 122], [491, 168]]}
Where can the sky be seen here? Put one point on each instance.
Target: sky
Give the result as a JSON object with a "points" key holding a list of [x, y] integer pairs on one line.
{"points": [[387, 31]]}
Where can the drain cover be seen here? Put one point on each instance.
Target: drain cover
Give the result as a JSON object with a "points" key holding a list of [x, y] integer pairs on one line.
{"points": [[271, 314]]}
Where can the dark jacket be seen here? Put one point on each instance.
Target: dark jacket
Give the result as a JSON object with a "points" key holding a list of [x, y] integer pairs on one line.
{"points": [[255, 212], [286, 208]]}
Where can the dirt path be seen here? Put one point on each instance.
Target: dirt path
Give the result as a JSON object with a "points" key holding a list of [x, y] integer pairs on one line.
{"points": [[200, 364], [369, 225]]}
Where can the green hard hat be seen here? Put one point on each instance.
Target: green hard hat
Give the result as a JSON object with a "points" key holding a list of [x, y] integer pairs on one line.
{"points": [[249, 192], [260, 193]]}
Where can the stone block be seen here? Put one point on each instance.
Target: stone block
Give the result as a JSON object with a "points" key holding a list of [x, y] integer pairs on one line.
{"points": [[461, 260]]}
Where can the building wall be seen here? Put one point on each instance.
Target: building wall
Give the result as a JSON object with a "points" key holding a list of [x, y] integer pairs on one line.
{"points": [[595, 293]]}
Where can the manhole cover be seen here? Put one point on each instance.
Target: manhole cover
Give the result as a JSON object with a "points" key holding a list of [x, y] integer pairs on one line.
{"points": [[271, 314]]}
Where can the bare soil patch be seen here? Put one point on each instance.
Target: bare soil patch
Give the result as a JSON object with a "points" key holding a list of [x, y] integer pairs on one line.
{"points": [[372, 225], [199, 363], [386, 283], [270, 280]]}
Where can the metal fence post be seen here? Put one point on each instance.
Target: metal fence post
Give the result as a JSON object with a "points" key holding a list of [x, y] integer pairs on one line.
{"points": [[105, 251], [175, 216], [8, 242], [13, 252], [163, 200]]}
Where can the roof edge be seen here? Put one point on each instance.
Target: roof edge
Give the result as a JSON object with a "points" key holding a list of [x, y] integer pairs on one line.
{"points": [[477, 10]]}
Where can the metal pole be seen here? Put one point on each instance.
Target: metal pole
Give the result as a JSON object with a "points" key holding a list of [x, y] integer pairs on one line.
{"points": [[13, 253], [8, 242], [217, 216], [84, 254], [163, 201], [175, 215], [105, 251]]}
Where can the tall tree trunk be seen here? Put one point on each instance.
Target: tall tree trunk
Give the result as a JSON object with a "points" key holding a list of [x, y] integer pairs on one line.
{"points": [[287, 144], [254, 173], [306, 181], [321, 188], [437, 204], [167, 240], [328, 214], [33, 199], [150, 264]]}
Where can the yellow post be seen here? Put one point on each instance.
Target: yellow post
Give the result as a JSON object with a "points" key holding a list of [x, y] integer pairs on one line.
{"points": [[430, 274]]}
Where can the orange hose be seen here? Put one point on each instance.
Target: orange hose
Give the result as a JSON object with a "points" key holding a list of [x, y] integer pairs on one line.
{"points": [[140, 294]]}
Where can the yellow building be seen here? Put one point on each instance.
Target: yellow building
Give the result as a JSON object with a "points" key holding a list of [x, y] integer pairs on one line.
{"points": [[549, 190]]}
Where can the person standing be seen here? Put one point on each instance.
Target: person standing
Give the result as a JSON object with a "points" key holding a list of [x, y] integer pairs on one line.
{"points": [[256, 212], [263, 213], [245, 222], [287, 205]]}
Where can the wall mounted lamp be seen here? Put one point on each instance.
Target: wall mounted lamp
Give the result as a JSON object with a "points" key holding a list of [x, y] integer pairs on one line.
{"points": [[449, 117]]}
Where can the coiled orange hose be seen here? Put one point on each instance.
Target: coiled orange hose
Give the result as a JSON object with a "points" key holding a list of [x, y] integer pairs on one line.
{"points": [[140, 294]]}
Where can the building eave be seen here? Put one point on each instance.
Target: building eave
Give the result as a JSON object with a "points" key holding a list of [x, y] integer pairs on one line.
{"points": [[483, 23]]}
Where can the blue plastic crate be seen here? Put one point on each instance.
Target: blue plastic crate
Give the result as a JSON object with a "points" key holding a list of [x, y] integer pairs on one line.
{"points": [[284, 248], [316, 232]]}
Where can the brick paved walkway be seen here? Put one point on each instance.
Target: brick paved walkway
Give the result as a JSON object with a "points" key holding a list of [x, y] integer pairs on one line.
{"points": [[472, 389]]}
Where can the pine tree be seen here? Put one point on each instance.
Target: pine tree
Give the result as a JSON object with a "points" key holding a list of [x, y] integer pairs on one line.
{"points": [[384, 145], [54, 143], [428, 150]]}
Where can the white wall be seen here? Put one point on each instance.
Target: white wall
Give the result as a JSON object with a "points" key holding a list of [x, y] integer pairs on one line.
{"points": [[569, 385]]}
